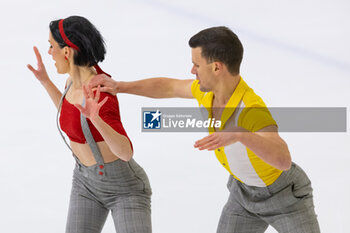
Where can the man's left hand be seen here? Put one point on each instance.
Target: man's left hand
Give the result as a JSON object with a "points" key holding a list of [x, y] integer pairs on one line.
{"points": [[217, 140]]}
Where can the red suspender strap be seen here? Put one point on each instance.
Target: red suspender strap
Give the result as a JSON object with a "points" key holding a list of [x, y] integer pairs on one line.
{"points": [[100, 71]]}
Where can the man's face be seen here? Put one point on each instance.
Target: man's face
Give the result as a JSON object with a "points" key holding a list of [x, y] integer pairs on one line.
{"points": [[202, 70]]}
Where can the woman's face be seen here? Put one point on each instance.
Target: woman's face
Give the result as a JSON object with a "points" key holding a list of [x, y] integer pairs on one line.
{"points": [[58, 55]]}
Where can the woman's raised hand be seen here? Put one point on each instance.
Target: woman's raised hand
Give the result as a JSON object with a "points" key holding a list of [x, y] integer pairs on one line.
{"points": [[40, 73], [92, 106]]}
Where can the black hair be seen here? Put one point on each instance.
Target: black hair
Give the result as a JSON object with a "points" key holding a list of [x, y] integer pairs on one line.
{"points": [[83, 34], [219, 44]]}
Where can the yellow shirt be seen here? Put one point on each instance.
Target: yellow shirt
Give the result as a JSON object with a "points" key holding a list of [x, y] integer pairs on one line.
{"points": [[247, 110]]}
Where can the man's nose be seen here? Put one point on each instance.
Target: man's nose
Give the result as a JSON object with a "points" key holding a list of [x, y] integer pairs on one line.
{"points": [[193, 70]]}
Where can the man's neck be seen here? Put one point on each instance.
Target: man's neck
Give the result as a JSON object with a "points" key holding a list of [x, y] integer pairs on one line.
{"points": [[225, 89]]}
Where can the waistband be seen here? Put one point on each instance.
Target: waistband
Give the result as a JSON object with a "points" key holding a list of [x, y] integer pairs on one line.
{"points": [[115, 169], [284, 180]]}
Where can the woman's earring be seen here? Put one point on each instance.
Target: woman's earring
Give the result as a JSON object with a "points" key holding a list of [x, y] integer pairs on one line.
{"points": [[65, 57]]}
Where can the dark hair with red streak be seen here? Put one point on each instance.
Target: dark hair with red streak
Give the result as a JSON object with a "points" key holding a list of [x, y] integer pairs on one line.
{"points": [[83, 34]]}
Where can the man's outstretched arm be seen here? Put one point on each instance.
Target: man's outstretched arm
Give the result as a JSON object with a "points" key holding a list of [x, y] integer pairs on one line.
{"points": [[152, 87]]}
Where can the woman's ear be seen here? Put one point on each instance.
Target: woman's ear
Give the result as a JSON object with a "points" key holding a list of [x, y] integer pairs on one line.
{"points": [[68, 52]]}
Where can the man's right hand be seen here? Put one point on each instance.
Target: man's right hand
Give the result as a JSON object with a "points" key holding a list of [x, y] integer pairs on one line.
{"points": [[107, 84], [152, 87]]}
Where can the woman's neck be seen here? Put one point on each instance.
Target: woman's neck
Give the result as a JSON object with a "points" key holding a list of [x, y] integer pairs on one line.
{"points": [[81, 75]]}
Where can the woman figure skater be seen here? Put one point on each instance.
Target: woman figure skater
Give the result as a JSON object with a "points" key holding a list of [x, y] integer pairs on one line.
{"points": [[105, 177]]}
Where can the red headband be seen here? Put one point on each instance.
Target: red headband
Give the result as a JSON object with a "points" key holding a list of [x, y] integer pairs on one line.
{"points": [[64, 37], [70, 44]]}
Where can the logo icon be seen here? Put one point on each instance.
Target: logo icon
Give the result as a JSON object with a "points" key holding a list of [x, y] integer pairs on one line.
{"points": [[152, 119]]}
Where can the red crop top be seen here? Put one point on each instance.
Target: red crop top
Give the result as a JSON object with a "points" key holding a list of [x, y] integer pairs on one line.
{"points": [[109, 112]]}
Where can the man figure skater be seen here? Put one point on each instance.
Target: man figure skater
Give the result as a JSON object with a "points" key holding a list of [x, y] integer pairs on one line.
{"points": [[266, 188]]}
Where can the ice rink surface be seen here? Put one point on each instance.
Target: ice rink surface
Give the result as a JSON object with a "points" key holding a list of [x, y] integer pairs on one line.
{"points": [[297, 54]]}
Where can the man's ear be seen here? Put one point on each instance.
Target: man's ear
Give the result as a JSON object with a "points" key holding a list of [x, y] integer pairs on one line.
{"points": [[217, 67]]}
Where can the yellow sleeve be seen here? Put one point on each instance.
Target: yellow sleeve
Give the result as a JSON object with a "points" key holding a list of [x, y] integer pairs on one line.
{"points": [[255, 118], [196, 92]]}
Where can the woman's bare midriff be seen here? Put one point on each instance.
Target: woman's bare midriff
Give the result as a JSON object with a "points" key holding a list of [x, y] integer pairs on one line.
{"points": [[85, 156]]}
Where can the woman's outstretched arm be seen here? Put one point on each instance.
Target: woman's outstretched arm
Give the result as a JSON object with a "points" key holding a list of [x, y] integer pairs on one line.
{"points": [[44, 79]]}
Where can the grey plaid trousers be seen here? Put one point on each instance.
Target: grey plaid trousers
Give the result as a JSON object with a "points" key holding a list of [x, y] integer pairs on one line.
{"points": [[287, 205], [124, 189]]}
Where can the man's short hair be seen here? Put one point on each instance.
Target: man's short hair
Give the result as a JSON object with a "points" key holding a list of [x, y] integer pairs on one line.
{"points": [[219, 44]]}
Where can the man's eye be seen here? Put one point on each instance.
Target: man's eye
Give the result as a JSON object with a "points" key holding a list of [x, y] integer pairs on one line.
{"points": [[50, 46]]}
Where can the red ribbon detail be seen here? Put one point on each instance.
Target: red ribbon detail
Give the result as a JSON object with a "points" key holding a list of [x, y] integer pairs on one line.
{"points": [[64, 37]]}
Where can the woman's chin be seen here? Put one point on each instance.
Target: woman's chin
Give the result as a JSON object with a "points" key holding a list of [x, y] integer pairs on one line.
{"points": [[60, 71]]}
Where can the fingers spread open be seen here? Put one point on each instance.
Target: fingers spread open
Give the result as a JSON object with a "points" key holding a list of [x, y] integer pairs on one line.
{"points": [[90, 93], [97, 96], [31, 69], [37, 54], [103, 102]]}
